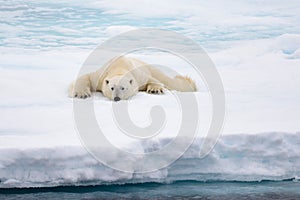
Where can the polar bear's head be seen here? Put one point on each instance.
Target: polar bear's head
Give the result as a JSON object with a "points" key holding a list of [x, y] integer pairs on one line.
{"points": [[119, 87]]}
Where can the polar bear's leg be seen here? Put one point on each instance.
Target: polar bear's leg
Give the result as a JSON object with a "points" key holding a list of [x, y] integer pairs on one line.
{"points": [[154, 87], [86, 84], [179, 83], [81, 88]]}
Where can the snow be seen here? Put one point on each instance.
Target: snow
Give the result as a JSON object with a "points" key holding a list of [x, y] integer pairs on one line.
{"points": [[255, 47], [268, 156]]}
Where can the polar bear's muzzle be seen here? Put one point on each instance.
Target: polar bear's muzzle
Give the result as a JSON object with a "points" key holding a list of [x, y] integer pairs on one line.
{"points": [[116, 94]]}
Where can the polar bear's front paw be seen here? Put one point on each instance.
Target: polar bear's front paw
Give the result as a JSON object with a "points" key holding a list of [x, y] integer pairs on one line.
{"points": [[81, 93], [155, 89]]}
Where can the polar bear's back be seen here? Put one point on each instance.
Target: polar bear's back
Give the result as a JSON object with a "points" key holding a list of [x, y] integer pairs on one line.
{"points": [[123, 64]]}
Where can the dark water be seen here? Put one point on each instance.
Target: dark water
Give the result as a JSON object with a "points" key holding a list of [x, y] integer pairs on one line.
{"points": [[178, 190]]}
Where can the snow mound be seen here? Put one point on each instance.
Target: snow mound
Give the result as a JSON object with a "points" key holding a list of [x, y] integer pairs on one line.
{"points": [[266, 156]]}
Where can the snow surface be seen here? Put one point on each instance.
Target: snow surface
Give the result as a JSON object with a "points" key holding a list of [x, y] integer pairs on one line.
{"points": [[254, 45], [268, 156]]}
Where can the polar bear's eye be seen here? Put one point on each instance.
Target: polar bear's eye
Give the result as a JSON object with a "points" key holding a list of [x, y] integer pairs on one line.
{"points": [[112, 88], [122, 88], [107, 81]]}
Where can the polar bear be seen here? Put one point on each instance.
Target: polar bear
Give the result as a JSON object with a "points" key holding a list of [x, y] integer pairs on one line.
{"points": [[124, 77]]}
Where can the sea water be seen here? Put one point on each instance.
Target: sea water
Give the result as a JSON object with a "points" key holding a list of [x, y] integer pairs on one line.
{"points": [[287, 189]]}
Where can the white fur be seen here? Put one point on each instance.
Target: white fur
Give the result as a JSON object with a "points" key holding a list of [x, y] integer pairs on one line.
{"points": [[124, 77]]}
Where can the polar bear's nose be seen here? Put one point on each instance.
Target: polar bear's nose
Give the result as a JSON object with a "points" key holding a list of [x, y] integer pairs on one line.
{"points": [[117, 99]]}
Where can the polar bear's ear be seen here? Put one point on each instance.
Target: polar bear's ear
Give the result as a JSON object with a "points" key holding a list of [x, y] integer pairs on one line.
{"points": [[107, 81], [130, 81]]}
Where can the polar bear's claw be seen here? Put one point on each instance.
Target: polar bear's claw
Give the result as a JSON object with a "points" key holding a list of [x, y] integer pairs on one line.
{"points": [[155, 89], [82, 93]]}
